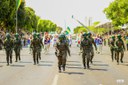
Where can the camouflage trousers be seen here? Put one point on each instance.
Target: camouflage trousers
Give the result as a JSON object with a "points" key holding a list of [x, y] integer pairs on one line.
{"points": [[113, 54], [39, 53], [8, 56], [91, 54], [86, 58], [62, 60], [36, 56], [119, 52], [17, 54]]}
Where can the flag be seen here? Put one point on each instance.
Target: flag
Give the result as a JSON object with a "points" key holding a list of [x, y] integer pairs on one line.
{"points": [[68, 30], [18, 2]]}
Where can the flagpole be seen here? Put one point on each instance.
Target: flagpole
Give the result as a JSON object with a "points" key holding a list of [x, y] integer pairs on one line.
{"points": [[16, 16], [65, 24], [16, 20], [82, 24]]}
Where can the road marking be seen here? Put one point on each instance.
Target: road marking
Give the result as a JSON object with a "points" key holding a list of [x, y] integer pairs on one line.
{"points": [[55, 80]]}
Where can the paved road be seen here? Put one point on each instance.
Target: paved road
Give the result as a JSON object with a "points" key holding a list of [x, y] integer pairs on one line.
{"points": [[102, 71]]}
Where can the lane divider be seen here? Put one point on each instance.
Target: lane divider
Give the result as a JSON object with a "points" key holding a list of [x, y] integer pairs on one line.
{"points": [[55, 80]]}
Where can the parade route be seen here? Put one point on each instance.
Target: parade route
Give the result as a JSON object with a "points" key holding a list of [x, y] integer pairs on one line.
{"points": [[102, 72]]}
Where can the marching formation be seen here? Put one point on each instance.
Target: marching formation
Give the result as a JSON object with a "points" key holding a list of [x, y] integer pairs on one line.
{"points": [[62, 45]]}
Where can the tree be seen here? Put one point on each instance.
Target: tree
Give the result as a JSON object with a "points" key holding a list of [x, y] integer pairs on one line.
{"points": [[59, 30], [30, 19], [79, 29], [7, 13], [46, 25], [117, 12], [27, 19]]}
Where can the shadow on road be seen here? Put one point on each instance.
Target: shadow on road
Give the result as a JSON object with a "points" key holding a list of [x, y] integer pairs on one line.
{"points": [[100, 64], [47, 61], [3, 62], [74, 67], [17, 65], [73, 64], [45, 65], [74, 61], [1, 66], [25, 62], [74, 73], [97, 69], [124, 64], [97, 61]]}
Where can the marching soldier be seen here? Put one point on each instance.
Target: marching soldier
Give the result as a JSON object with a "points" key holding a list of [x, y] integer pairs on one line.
{"points": [[17, 47], [112, 47], [35, 46], [120, 48], [40, 45], [8, 45], [86, 50], [91, 46], [62, 50]]}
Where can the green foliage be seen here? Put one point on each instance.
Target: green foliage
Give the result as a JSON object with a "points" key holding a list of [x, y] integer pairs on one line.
{"points": [[7, 14], [96, 30], [117, 12], [79, 29], [27, 19], [30, 19], [59, 29], [46, 25], [21, 16]]}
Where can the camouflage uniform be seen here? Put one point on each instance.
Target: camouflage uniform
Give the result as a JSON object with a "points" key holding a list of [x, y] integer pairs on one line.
{"points": [[120, 48], [1, 43], [8, 45], [112, 47], [17, 47], [91, 46], [86, 51], [40, 45], [35, 46], [62, 50]]}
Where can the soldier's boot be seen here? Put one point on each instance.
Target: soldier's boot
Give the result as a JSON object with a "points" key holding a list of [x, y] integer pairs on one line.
{"points": [[117, 61], [19, 58], [7, 59], [112, 55], [7, 64], [11, 59], [16, 58], [121, 60], [91, 61], [59, 68], [37, 60], [112, 58], [34, 61], [88, 63], [84, 66], [40, 56], [64, 67], [115, 56]]}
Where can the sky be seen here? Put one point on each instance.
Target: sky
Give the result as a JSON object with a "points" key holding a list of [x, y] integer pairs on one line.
{"points": [[61, 11]]}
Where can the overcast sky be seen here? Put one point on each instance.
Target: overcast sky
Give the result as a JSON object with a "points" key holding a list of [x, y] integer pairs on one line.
{"points": [[60, 11]]}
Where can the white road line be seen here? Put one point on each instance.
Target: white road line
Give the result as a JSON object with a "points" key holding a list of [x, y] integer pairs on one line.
{"points": [[55, 80]]}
